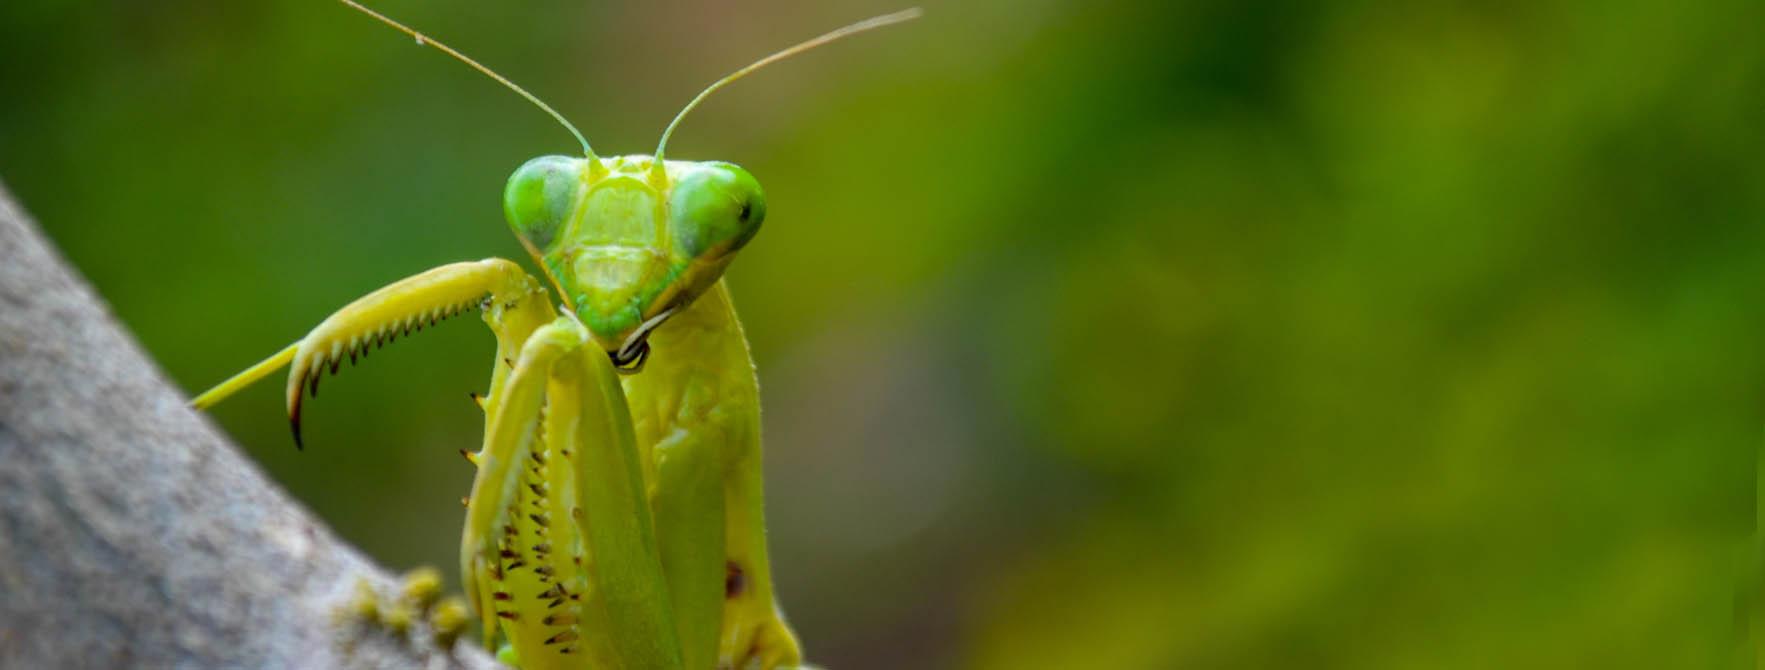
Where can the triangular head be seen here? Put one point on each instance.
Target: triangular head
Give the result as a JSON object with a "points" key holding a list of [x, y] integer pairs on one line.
{"points": [[628, 240]]}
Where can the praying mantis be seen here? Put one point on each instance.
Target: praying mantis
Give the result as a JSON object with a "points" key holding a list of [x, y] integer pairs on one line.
{"points": [[616, 517]]}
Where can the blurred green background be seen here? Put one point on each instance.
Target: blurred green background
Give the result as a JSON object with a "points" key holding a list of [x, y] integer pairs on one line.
{"points": [[1092, 334]]}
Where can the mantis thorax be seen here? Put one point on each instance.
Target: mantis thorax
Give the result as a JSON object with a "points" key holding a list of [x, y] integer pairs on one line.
{"points": [[625, 241]]}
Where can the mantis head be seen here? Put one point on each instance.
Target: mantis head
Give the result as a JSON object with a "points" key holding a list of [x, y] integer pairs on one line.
{"points": [[631, 240]]}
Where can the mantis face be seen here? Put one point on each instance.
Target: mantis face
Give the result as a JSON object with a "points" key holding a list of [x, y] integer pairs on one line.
{"points": [[628, 241]]}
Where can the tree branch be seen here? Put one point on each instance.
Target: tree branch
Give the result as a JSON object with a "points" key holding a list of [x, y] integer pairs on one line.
{"points": [[132, 534]]}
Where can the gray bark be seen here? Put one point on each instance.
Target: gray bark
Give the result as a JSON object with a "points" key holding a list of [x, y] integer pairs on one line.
{"points": [[132, 533]]}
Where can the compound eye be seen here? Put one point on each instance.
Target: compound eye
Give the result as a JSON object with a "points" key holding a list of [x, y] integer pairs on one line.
{"points": [[716, 208], [540, 197], [753, 200], [753, 211]]}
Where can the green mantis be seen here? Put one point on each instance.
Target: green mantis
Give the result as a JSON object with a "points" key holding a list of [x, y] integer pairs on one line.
{"points": [[616, 518]]}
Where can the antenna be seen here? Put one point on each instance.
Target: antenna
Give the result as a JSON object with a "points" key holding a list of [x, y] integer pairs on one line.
{"points": [[861, 26], [426, 40]]}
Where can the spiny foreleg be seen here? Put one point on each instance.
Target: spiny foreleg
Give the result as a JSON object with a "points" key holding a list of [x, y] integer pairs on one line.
{"points": [[559, 547], [378, 318]]}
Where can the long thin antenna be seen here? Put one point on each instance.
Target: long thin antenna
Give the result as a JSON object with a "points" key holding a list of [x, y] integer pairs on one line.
{"points": [[861, 26], [424, 39]]}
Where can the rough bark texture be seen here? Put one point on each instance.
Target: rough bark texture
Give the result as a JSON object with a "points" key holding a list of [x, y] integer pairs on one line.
{"points": [[132, 534]]}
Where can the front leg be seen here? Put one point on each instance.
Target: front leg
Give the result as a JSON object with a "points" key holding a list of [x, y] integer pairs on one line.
{"points": [[698, 404], [688, 499], [516, 305], [559, 545]]}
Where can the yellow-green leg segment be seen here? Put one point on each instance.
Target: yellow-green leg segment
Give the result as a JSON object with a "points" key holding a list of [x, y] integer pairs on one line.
{"points": [[698, 404], [499, 286], [559, 543]]}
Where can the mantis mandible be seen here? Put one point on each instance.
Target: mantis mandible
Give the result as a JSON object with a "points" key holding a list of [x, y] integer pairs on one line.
{"points": [[616, 517]]}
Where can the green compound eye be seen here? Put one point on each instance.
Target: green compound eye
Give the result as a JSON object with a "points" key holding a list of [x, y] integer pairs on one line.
{"points": [[715, 209], [540, 197]]}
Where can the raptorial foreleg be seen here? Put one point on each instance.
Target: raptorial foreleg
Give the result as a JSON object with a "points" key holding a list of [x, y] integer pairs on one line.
{"points": [[515, 300], [559, 545], [698, 404]]}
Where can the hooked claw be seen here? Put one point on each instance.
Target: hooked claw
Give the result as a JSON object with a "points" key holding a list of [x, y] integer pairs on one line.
{"points": [[630, 360], [630, 356]]}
